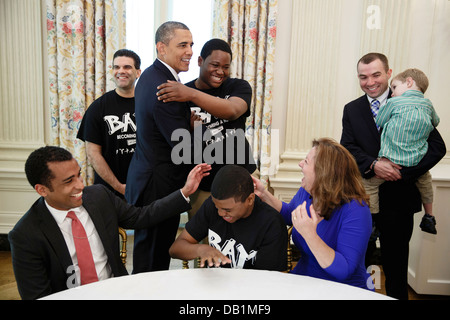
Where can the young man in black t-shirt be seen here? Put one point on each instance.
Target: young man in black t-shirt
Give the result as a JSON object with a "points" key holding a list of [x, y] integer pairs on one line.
{"points": [[223, 105], [242, 231], [109, 125]]}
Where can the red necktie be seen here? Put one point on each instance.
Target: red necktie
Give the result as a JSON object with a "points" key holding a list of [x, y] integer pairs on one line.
{"points": [[83, 250]]}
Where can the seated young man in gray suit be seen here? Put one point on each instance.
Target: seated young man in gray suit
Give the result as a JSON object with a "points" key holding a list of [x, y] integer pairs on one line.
{"points": [[47, 249]]}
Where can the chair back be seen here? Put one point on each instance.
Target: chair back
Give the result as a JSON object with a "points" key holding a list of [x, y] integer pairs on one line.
{"points": [[123, 250], [289, 250]]}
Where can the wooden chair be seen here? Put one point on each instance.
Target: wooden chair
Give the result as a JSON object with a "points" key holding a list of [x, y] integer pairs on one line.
{"points": [[123, 251], [186, 263], [289, 250]]}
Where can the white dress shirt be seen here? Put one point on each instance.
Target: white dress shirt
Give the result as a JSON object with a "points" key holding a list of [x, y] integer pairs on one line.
{"points": [[382, 99], [172, 70], [98, 251]]}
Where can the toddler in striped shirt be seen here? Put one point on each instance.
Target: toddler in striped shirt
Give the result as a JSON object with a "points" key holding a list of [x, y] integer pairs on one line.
{"points": [[407, 120]]}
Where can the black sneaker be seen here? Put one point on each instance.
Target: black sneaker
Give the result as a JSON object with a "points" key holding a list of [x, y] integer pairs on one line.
{"points": [[428, 224]]}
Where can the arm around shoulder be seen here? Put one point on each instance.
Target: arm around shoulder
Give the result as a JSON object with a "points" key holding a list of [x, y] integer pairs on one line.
{"points": [[229, 109]]}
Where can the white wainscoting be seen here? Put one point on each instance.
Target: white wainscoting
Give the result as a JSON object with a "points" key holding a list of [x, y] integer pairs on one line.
{"points": [[24, 120], [429, 257]]}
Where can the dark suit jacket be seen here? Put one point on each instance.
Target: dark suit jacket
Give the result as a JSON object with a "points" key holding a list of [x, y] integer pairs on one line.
{"points": [[40, 256], [156, 121], [361, 137]]}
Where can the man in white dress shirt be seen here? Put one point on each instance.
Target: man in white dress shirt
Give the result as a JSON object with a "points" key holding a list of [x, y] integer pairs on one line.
{"points": [[43, 242]]}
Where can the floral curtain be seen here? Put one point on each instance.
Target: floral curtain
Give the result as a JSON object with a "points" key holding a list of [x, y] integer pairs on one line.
{"points": [[82, 36], [250, 28]]}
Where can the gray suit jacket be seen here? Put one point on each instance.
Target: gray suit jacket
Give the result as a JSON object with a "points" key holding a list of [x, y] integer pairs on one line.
{"points": [[40, 257]]}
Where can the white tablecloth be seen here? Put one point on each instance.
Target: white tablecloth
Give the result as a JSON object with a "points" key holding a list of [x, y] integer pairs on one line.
{"points": [[215, 284]]}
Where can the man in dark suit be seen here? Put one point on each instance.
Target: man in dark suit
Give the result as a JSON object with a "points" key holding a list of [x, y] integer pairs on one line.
{"points": [[43, 245], [399, 197], [152, 173]]}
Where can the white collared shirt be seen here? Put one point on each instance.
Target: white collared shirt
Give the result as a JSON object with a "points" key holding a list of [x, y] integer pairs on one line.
{"points": [[98, 251], [382, 99], [172, 70]]}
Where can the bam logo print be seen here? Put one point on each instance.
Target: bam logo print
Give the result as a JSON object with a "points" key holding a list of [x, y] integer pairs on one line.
{"points": [[236, 252], [115, 124]]}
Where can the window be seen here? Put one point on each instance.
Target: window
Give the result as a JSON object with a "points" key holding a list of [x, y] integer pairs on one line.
{"points": [[144, 17], [140, 34]]}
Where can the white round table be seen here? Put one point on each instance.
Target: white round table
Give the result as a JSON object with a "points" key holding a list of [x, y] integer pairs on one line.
{"points": [[215, 284]]}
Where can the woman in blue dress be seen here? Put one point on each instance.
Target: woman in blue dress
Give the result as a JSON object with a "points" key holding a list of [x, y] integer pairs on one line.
{"points": [[330, 215]]}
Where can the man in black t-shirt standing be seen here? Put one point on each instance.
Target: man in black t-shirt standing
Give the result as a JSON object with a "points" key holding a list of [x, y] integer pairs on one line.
{"points": [[109, 126], [223, 105]]}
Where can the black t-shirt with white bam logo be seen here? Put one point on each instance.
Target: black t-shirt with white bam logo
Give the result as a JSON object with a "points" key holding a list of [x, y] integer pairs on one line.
{"points": [[219, 131], [256, 242], [110, 122]]}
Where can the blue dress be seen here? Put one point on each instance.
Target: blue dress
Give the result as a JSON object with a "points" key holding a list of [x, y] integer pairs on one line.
{"points": [[347, 232]]}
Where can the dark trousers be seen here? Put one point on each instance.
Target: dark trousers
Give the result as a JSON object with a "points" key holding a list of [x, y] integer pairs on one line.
{"points": [[395, 233], [151, 246]]}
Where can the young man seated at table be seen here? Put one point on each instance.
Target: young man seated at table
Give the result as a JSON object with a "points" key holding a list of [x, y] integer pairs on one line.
{"points": [[70, 234], [242, 231]]}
